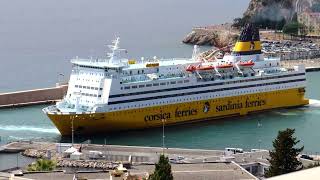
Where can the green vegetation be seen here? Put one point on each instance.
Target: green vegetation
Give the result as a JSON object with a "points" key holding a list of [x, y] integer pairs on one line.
{"points": [[291, 28], [259, 22], [42, 165], [162, 170], [294, 28], [241, 22], [284, 156]]}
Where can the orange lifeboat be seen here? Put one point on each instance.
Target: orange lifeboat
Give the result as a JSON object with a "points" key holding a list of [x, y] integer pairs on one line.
{"points": [[191, 68], [204, 68], [224, 66], [246, 64]]}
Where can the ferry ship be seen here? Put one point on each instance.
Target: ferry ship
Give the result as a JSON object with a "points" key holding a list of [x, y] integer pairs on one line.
{"points": [[116, 93]]}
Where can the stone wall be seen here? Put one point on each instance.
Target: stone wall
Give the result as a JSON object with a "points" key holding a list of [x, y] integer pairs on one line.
{"points": [[36, 96]]}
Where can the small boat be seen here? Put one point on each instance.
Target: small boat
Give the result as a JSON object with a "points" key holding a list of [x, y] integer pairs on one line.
{"points": [[204, 68], [191, 68], [246, 64]]}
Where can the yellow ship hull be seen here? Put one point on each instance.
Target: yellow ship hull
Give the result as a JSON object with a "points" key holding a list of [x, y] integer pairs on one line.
{"points": [[177, 113]]}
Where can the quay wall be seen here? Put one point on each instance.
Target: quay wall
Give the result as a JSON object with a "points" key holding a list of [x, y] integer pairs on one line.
{"points": [[32, 97]]}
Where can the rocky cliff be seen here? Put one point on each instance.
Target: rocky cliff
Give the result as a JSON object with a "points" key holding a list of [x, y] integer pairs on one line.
{"points": [[218, 36], [272, 14], [274, 10]]}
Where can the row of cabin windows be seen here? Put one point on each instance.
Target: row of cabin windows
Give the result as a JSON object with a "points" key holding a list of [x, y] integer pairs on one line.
{"points": [[139, 72], [91, 95], [208, 96], [88, 80], [88, 87], [142, 71], [155, 84]]}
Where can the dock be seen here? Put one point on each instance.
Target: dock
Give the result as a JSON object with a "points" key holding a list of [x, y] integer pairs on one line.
{"points": [[33, 97], [185, 163]]}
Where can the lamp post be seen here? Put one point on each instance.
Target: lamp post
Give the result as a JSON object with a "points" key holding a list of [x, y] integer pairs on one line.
{"points": [[259, 126], [72, 130], [163, 136]]}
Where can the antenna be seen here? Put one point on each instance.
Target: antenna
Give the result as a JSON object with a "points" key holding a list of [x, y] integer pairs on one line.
{"points": [[113, 48], [196, 52]]}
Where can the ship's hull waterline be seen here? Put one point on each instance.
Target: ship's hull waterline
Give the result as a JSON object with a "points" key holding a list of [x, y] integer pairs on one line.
{"points": [[179, 113]]}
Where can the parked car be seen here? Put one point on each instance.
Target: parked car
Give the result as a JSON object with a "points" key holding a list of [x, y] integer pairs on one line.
{"points": [[234, 150], [304, 156]]}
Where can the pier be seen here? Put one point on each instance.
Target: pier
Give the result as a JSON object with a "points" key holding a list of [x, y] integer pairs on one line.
{"points": [[139, 160], [33, 97]]}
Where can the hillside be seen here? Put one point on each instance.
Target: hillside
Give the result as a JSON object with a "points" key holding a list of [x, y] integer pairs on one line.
{"points": [[274, 13]]}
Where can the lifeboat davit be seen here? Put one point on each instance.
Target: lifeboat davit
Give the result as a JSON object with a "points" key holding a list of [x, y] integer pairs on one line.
{"points": [[191, 68], [246, 64]]}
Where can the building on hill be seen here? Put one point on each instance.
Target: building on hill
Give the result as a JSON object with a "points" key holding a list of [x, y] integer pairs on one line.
{"points": [[311, 22]]}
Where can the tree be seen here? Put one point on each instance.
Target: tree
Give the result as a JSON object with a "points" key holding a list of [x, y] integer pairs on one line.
{"points": [[284, 156], [42, 165], [162, 170], [293, 28]]}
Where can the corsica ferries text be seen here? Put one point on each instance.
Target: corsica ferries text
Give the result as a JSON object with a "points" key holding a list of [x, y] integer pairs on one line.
{"points": [[167, 115]]}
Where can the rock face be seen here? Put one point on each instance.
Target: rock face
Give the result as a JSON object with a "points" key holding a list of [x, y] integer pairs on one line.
{"points": [[276, 10], [273, 10], [218, 36]]}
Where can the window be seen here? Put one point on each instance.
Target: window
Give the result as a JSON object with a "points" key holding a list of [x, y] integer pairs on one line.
{"points": [[76, 86], [149, 85], [156, 84], [179, 82], [162, 84], [127, 87], [92, 87], [172, 82], [99, 95], [100, 89], [186, 81], [96, 88], [141, 86], [134, 87]]}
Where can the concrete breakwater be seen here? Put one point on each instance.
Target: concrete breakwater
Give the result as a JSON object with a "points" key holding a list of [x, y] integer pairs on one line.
{"points": [[32, 97]]}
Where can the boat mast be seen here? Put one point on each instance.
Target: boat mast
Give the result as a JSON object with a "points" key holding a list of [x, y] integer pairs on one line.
{"points": [[113, 47]]}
